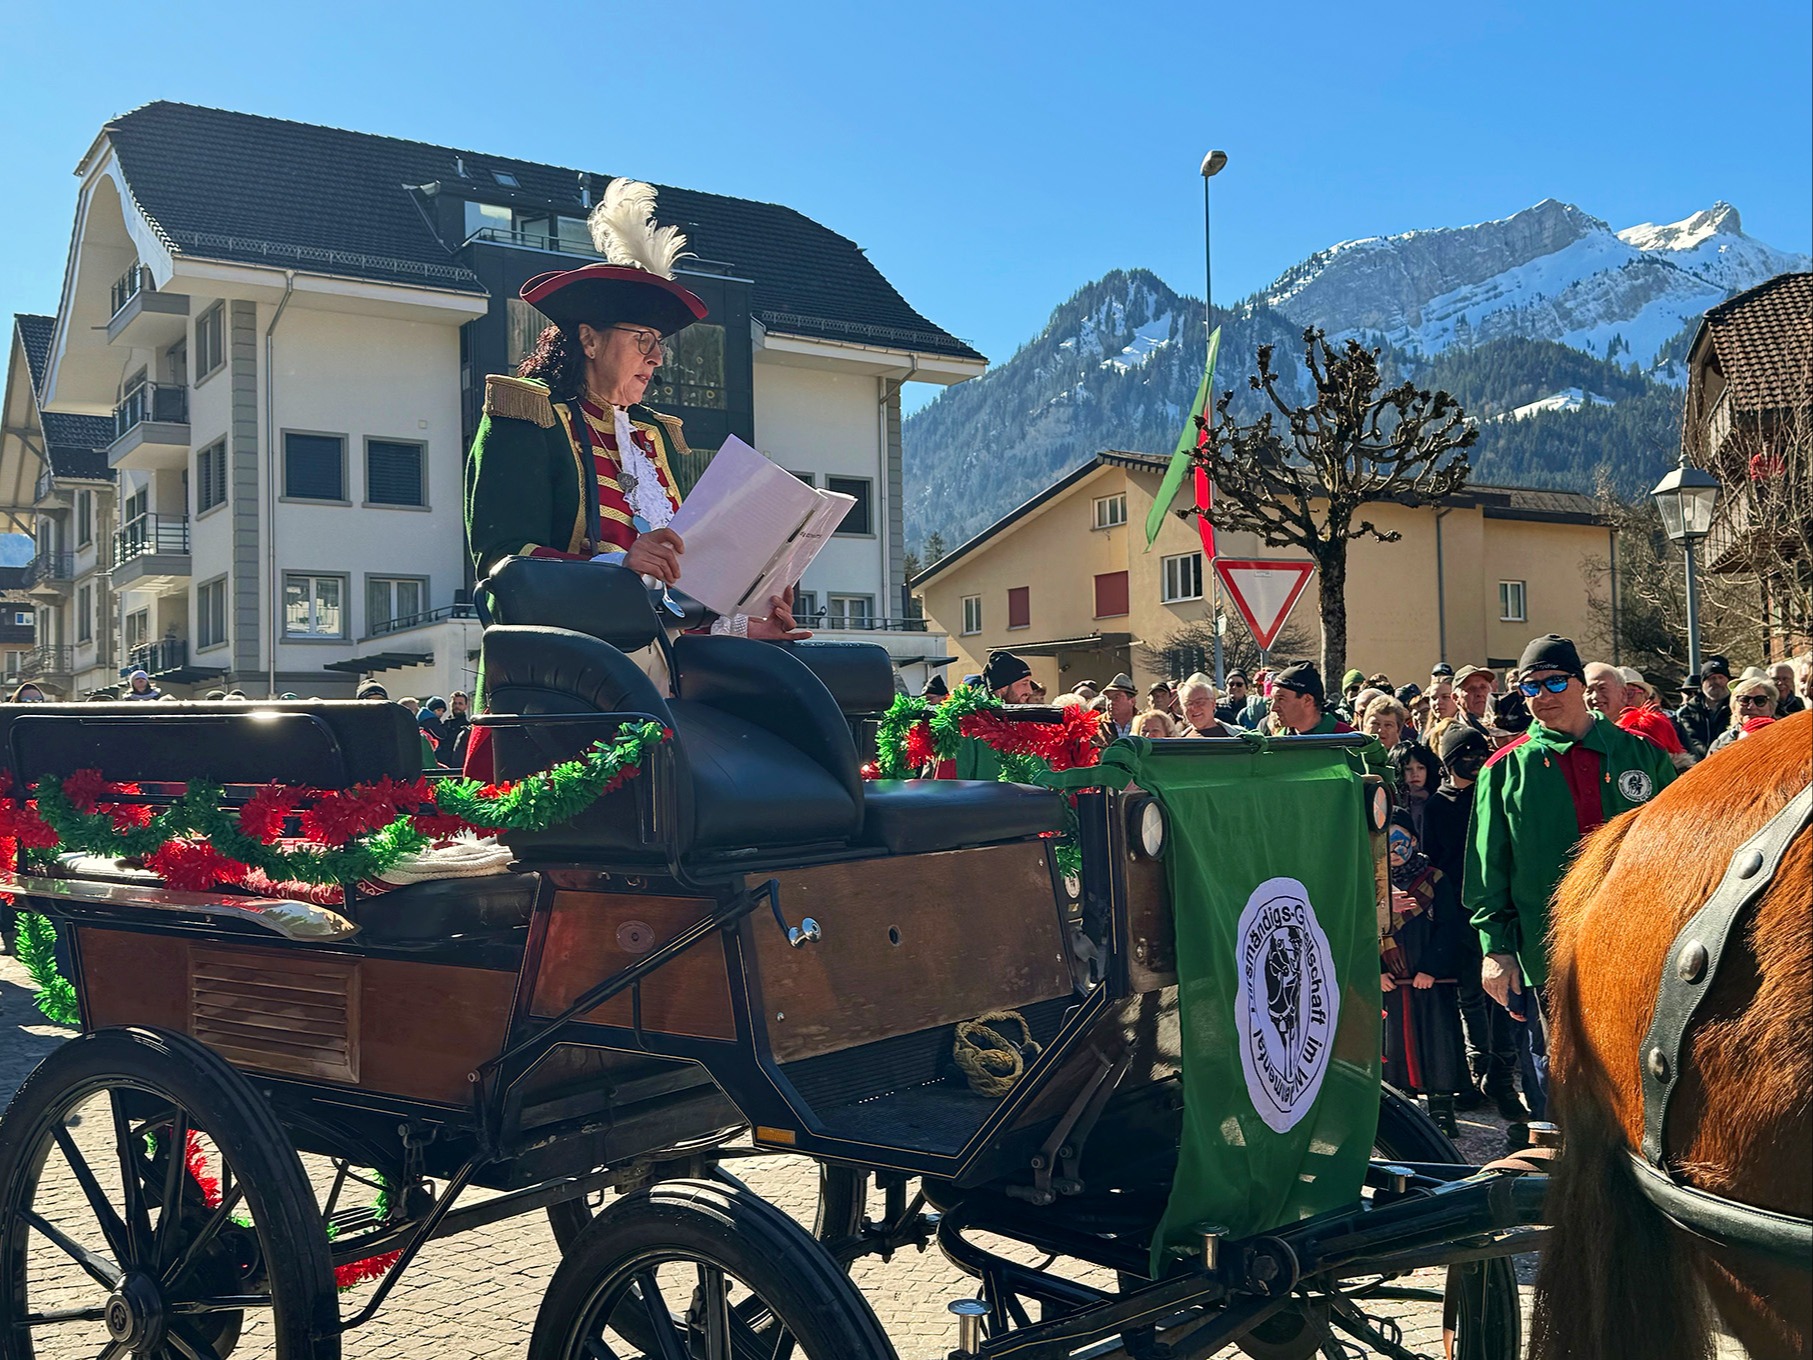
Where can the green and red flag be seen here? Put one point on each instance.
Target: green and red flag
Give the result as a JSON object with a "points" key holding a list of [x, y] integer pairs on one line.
{"points": [[1187, 443]]}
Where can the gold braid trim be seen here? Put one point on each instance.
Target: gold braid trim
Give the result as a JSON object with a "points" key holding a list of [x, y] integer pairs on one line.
{"points": [[518, 399], [672, 425]]}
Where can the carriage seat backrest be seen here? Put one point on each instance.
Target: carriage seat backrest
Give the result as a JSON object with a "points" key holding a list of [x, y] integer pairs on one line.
{"points": [[323, 743], [860, 675], [600, 599]]}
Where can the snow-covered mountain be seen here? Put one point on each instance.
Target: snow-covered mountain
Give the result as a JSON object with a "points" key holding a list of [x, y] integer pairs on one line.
{"points": [[1551, 272]]}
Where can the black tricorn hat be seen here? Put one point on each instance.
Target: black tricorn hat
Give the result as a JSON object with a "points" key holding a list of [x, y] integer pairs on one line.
{"points": [[604, 295]]}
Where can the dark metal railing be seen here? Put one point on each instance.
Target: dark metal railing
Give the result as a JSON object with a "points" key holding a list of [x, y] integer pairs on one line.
{"points": [[51, 566], [157, 658], [129, 285], [859, 623], [47, 482], [151, 401], [151, 534], [404, 621], [42, 661]]}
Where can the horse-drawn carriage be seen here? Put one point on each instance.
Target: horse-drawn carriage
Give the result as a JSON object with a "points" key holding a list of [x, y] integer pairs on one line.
{"points": [[746, 950]]}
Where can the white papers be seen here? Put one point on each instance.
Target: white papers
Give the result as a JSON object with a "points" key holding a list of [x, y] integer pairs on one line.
{"points": [[751, 528]]}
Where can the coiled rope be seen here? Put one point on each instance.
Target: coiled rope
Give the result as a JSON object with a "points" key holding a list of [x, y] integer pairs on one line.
{"points": [[992, 1062]]}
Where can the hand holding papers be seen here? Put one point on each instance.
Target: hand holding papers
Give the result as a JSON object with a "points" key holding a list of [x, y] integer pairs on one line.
{"points": [[751, 529]]}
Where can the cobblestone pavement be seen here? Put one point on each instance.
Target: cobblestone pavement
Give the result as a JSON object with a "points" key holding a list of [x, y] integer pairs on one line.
{"points": [[475, 1295]]}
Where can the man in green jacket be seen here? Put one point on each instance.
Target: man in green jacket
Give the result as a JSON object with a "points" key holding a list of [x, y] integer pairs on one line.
{"points": [[1572, 771]]}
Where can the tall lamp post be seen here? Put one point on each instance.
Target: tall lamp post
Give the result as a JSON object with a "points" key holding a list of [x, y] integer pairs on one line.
{"points": [[1686, 497], [1212, 165]]}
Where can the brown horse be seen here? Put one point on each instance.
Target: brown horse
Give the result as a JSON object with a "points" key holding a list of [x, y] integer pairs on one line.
{"points": [[1619, 1280]]}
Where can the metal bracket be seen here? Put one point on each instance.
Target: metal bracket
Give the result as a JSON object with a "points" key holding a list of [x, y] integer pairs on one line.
{"points": [[806, 932], [1065, 1145]]}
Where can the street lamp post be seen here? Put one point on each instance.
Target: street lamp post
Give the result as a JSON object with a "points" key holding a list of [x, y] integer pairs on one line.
{"points": [[1212, 165], [1686, 497]]}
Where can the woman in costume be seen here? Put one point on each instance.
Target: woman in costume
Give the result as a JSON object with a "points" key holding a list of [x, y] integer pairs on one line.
{"points": [[567, 461]]}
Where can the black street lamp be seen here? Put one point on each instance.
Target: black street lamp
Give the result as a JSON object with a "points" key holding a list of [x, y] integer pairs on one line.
{"points": [[1686, 497]]}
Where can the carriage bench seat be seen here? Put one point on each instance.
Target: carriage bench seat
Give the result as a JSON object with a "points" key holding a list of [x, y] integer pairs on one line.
{"points": [[916, 816]]}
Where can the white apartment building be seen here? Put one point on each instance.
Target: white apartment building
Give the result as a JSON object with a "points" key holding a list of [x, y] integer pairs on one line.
{"points": [[277, 335]]}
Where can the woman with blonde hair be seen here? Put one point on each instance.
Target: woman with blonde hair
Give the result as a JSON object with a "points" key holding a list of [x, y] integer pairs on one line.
{"points": [[1386, 719], [1154, 723]]}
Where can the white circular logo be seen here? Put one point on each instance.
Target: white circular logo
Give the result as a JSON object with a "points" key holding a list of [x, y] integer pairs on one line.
{"points": [[1288, 1002], [1635, 785]]}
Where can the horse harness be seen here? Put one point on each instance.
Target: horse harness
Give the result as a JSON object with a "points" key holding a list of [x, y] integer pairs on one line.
{"points": [[1687, 976]]}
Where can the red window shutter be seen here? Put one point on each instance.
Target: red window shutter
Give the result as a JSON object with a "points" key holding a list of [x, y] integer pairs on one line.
{"points": [[1019, 607], [1110, 594]]}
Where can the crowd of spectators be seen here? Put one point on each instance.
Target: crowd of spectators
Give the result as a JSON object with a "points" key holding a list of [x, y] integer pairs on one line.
{"points": [[1497, 777]]}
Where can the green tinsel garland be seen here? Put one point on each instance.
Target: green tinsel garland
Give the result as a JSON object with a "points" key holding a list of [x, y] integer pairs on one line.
{"points": [[38, 952]]}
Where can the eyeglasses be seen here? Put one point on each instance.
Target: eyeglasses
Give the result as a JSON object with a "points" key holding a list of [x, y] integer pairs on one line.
{"points": [[648, 343], [1759, 700], [1554, 684]]}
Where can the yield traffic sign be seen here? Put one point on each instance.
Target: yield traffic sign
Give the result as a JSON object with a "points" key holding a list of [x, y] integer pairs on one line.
{"points": [[1264, 591]]}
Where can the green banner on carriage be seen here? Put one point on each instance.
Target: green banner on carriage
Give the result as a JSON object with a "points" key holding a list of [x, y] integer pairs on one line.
{"points": [[1271, 880]]}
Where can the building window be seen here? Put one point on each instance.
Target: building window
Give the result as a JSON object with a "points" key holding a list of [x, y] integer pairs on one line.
{"points": [[1183, 578], [393, 600], [849, 611], [1111, 511], [489, 217], [805, 605], [211, 477], [211, 614], [858, 521], [84, 518], [210, 340], [1019, 607], [805, 477], [1110, 594], [138, 629], [692, 374], [393, 473], [314, 606], [22, 617], [85, 614], [314, 467], [1510, 602], [972, 615]]}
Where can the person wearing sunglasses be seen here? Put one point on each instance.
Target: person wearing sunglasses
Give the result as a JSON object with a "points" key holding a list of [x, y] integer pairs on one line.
{"points": [[1753, 704], [1570, 772]]}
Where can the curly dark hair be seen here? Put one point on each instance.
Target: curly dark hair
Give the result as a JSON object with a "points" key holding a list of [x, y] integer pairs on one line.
{"points": [[558, 361], [1408, 752]]}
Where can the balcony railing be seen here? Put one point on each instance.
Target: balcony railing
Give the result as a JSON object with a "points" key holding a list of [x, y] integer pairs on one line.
{"points": [[151, 401], [45, 661], [1718, 424], [859, 623], [405, 621], [49, 566], [47, 483], [151, 534], [129, 285], [162, 657]]}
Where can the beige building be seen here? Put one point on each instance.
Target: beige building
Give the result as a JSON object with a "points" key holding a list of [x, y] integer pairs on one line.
{"points": [[1064, 581]]}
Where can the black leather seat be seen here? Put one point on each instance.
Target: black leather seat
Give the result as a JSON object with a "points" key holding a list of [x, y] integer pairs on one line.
{"points": [[914, 816], [445, 907], [761, 755]]}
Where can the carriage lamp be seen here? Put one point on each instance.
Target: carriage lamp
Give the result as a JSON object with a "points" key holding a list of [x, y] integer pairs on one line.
{"points": [[1378, 805], [1685, 498], [1146, 828]]}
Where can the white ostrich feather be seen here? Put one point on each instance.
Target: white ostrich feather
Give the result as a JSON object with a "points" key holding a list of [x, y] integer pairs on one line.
{"points": [[624, 231]]}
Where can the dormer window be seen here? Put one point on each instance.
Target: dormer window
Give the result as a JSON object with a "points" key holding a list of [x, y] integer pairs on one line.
{"points": [[487, 217], [505, 178]]}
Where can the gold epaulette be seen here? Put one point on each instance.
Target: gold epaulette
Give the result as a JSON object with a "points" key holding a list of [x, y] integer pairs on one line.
{"points": [[518, 399], [672, 425]]}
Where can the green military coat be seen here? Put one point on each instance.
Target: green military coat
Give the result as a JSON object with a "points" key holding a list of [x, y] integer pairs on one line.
{"points": [[526, 472], [1524, 830]]}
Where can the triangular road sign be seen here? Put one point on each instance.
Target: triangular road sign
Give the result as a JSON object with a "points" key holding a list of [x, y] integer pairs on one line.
{"points": [[1264, 592]]}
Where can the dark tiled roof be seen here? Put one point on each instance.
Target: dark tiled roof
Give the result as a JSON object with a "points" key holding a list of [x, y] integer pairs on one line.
{"points": [[11, 579], [233, 186], [1764, 342], [77, 444]]}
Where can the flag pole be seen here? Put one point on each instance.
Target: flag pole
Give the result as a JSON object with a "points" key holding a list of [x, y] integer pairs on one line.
{"points": [[1212, 165]]}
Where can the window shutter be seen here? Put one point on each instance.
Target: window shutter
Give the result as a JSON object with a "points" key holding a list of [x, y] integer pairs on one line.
{"points": [[1110, 594], [393, 473], [1019, 607], [312, 467]]}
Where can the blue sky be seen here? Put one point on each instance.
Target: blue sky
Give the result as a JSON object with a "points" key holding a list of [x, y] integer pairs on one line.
{"points": [[991, 158]]}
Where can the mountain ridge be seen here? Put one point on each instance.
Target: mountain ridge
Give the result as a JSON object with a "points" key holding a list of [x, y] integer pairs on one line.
{"points": [[1520, 312]]}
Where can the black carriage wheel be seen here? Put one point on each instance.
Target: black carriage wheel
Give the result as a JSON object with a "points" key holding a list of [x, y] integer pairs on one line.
{"points": [[843, 1199], [1482, 1297], [161, 1285], [697, 1269]]}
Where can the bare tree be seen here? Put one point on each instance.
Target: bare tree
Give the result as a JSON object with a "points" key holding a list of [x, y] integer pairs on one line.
{"points": [[1190, 647], [1298, 476]]}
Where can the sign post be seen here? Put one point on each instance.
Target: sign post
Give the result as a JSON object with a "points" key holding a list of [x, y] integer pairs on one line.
{"points": [[1264, 591]]}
